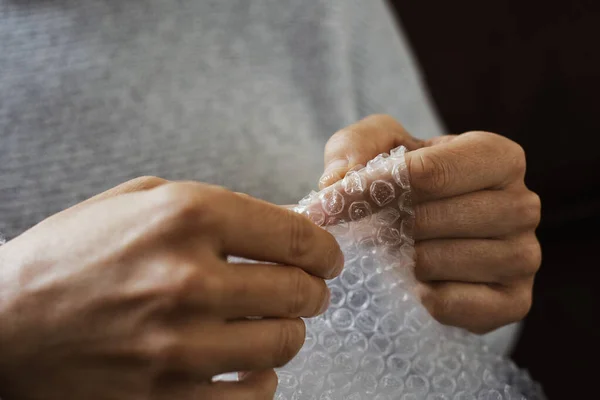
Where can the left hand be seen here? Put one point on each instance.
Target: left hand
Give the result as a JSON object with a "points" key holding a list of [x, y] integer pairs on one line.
{"points": [[476, 249]]}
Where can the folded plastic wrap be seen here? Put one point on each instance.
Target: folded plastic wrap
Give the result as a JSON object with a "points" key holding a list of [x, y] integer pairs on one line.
{"points": [[376, 341]]}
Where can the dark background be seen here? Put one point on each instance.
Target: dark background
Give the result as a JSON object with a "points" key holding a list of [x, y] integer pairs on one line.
{"points": [[530, 70]]}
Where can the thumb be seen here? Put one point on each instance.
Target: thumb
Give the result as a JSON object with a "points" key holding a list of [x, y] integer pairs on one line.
{"points": [[355, 145]]}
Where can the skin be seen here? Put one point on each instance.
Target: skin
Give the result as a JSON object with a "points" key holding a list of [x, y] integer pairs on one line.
{"points": [[129, 295], [476, 249]]}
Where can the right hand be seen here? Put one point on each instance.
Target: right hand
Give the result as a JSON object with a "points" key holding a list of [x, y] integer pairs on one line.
{"points": [[130, 296]]}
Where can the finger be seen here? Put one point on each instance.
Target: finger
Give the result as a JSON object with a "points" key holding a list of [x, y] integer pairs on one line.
{"points": [[361, 194], [439, 140], [259, 385], [253, 229], [259, 230], [242, 345], [482, 214], [256, 385], [472, 161], [272, 291], [360, 142], [261, 344], [479, 308], [477, 260]]}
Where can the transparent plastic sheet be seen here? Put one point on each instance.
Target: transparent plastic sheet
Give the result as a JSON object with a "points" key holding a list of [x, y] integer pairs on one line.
{"points": [[376, 341]]}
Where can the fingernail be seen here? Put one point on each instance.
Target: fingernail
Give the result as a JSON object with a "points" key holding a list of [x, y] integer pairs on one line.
{"points": [[333, 172], [325, 304]]}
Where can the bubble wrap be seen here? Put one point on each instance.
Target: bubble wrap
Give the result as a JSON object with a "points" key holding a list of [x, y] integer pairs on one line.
{"points": [[376, 341]]}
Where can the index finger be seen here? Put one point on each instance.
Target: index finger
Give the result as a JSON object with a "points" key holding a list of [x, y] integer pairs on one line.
{"points": [[254, 229]]}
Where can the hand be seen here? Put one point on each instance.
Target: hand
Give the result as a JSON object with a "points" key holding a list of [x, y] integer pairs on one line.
{"points": [[476, 249], [129, 295]]}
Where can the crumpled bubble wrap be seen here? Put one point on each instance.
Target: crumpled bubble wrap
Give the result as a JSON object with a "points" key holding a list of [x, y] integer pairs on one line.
{"points": [[376, 341]]}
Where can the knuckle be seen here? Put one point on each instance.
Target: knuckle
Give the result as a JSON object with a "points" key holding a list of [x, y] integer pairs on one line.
{"points": [[426, 217], [146, 182], [438, 306], [168, 353], [298, 294], [431, 171], [514, 152], [363, 132], [164, 350], [536, 208], [487, 139], [321, 297], [492, 139], [528, 211], [290, 340], [342, 135], [529, 256], [324, 294], [518, 158], [192, 203], [190, 282], [336, 146], [424, 267], [208, 286], [335, 138], [206, 205], [238, 288], [382, 120], [301, 235], [332, 260], [178, 200], [523, 303], [443, 310], [516, 149]]}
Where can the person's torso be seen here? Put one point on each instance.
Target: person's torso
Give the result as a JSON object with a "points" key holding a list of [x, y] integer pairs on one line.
{"points": [[232, 92], [237, 93]]}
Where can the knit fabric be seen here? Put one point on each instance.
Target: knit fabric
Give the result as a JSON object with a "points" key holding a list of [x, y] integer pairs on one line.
{"points": [[237, 93]]}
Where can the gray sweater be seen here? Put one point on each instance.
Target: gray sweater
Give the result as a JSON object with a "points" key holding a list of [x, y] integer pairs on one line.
{"points": [[234, 92], [238, 93]]}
